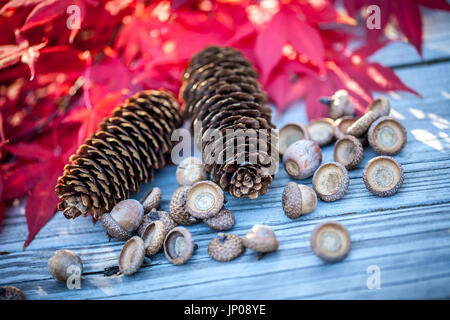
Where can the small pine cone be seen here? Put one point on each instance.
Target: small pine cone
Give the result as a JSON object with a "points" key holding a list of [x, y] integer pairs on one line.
{"points": [[120, 155], [222, 95]]}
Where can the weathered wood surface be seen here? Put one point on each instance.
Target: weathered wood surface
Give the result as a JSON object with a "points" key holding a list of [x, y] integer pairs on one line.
{"points": [[407, 236]]}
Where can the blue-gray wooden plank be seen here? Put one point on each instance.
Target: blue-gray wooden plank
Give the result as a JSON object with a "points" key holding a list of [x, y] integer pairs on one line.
{"points": [[407, 235]]}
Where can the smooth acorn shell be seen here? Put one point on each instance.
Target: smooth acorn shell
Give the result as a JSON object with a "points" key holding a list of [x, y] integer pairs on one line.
{"points": [[190, 171], [302, 158], [383, 176], [330, 241], [261, 238], [330, 181], [178, 245], [59, 263], [128, 214], [298, 200], [132, 256]]}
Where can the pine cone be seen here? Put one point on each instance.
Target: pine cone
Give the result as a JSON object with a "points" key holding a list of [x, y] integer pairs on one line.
{"points": [[122, 154], [221, 92]]}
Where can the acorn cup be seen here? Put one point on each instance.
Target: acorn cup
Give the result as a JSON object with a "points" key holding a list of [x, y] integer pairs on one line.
{"points": [[125, 150], [221, 94]]}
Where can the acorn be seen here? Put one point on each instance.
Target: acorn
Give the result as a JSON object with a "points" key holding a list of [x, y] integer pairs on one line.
{"points": [[341, 125], [153, 237], [204, 199], [378, 108], [330, 241], [60, 263], [11, 293], [178, 245], [331, 181], [383, 176], [387, 136], [190, 171], [225, 247], [339, 104], [178, 209], [152, 199], [302, 158], [224, 220], [291, 133], [123, 220], [381, 106], [132, 256], [261, 239], [156, 215], [348, 151], [321, 131], [298, 199]]}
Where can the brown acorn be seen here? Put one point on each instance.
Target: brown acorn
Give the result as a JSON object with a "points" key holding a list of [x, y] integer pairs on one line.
{"points": [[387, 136], [291, 133], [339, 104], [153, 237], [331, 181], [204, 199], [190, 171], [381, 106], [61, 261], [341, 125], [302, 158], [152, 199], [298, 200], [178, 245], [360, 126], [225, 247], [261, 239], [132, 256], [222, 221], [348, 151], [383, 176], [321, 131], [11, 293], [124, 219], [155, 215], [178, 209], [330, 241]]}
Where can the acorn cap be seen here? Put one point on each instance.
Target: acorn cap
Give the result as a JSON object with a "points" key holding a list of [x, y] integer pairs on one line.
{"points": [[302, 158], [11, 293], [360, 126], [152, 199], [153, 237], [178, 245], [381, 106], [348, 151], [61, 261], [290, 133], [204, 199], [341, 125], [261, 238], [298, 199], [331, 181], [224, 220], [225, 247], [155, 215], [330, 241], [321, 131], [178, 209], [387, 136], [190, 171], [132, 256], [383, 176]]}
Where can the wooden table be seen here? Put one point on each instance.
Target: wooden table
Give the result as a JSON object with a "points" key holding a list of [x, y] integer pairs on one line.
{"points": [[407, 236]]}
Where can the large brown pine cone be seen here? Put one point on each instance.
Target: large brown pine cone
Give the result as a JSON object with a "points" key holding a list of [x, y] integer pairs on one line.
{"points": [[122, 154], [221, 92]]}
